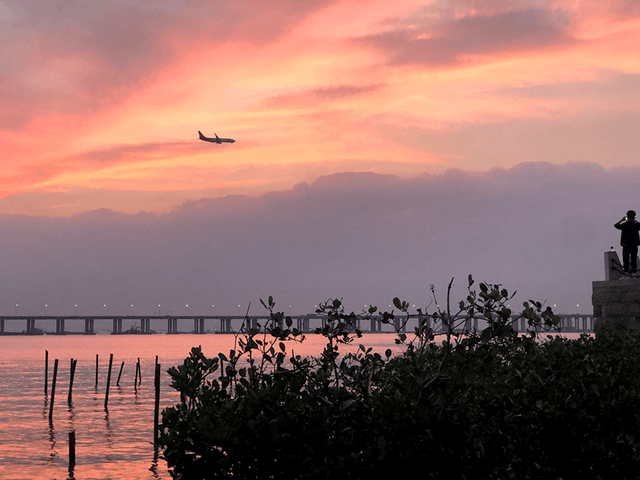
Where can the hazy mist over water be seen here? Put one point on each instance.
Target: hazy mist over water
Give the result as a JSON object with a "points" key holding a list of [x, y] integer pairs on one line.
{"points": [[537, 228]]}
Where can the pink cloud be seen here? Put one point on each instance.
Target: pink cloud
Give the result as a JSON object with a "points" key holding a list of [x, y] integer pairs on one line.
{"points": [[107, 98], [456, 41], [313, 96], [138, 152], [75, 58]]}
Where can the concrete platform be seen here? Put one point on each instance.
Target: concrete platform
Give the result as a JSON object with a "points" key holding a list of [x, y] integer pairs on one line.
{"points": [[616, 300]]}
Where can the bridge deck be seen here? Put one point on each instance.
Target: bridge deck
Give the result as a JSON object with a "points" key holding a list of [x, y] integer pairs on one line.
{"points": [[141, 324]]}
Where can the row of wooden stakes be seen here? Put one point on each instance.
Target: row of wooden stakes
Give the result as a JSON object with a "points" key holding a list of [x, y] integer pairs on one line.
{"points": [[72, 369]]}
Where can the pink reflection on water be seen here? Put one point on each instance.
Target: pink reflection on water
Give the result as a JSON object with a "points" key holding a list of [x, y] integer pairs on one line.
{"points": [[116, 443]]}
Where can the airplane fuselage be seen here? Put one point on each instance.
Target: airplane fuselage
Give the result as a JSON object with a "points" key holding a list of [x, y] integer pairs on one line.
{"points": [[217, 139]]}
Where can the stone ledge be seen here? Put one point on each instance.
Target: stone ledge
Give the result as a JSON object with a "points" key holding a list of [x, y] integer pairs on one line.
{"points": [[616, 300]]}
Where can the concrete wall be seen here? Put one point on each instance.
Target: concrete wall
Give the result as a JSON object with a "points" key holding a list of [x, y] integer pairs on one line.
{"points": [[616, 300]]}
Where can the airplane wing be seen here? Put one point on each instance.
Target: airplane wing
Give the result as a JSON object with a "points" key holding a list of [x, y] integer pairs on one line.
{"points": [[217, 139]]}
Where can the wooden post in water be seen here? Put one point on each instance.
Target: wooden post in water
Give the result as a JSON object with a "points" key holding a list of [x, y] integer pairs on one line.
{"points": [[96, 371], [72, 450], [138, 377], [106, 395], [72, 373], [135, 376], [46, 371], [119, 375], [156, 411], [53, 388]]}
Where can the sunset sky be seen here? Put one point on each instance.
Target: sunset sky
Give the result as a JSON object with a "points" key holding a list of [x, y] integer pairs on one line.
{"points": [[102, 101]]}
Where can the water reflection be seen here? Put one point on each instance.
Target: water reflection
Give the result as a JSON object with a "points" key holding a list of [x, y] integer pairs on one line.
{"points": [[108, 430], [154, 463], [52, 440], [30, 445]]}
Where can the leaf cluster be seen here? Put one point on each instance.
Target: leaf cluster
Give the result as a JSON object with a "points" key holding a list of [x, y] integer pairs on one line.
{"points": [[490, 403]]}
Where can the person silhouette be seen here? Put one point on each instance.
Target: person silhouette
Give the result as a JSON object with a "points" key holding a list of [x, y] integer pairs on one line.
{"points": [[629, 239]]}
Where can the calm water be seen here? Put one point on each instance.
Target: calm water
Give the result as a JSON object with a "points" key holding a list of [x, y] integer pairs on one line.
{"points": [[112, 444]]}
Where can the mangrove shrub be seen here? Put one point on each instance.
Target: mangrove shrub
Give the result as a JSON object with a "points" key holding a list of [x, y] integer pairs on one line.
{"points": [[489, 404]]}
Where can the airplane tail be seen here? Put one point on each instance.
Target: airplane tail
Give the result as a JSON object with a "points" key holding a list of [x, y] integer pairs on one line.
{"points": [[202, 137]]}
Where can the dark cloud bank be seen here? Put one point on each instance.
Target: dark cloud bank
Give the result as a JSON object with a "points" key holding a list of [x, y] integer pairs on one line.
{"points": [[538, 228]]}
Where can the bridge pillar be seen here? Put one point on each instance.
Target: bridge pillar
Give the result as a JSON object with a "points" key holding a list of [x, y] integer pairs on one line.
{"points": [[117, 326], [144, 325], [172, 325], [59, 326], [198, 325], [302, 324], [1, 325], [88, 326], [585, 324], [225, 325]]}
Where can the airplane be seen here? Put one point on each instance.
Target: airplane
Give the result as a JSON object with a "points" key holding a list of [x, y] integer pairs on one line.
{"points": [[215, 140]]}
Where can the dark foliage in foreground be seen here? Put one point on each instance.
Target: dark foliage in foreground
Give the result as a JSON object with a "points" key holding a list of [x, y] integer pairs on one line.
{"points": [[493, 405]]}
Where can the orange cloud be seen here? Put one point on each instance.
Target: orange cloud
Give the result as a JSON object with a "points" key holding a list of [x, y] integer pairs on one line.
{"points": [[110, 97]]}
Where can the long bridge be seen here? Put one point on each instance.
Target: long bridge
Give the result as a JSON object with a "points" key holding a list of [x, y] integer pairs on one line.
{"points": [[230, 324]]}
